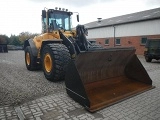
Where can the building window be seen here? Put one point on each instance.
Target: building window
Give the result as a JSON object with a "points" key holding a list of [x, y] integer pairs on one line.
{"points": [[143, 41], [107, 42], [118, 41]]}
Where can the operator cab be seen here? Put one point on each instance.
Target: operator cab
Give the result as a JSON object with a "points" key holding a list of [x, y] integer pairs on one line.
{"points": [[55, 20]]}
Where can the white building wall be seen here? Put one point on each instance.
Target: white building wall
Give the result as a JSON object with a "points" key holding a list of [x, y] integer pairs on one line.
{"points": [[101, 32], [151, 27]]}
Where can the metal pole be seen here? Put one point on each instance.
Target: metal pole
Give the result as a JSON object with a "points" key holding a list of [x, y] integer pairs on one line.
{"points": [[114, 36], [47, 21]]}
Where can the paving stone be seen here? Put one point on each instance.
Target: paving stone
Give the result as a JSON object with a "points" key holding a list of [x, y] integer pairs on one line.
{"points": [[145, 118], [38, 118], [38, 113], [33, 110], [89, 119], [2, 116], [120, 116], [40, 104], [62, 119], [3, 119], [75, 118], [83, 117]]}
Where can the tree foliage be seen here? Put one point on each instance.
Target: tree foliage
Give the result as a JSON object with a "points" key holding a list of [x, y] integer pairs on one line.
{"points": [[14, 40], [4, 39], [26, 35], [17, 40]]}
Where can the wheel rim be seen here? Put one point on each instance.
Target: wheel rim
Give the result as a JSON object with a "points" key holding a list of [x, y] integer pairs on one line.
{"points": [[48, 62], [28, 61]]}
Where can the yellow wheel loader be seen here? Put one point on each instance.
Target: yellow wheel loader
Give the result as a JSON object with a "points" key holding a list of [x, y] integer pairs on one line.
{"points": [[94, 77]]}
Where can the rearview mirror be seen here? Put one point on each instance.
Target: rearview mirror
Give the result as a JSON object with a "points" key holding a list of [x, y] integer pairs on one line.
{"points": [[78, 18]]}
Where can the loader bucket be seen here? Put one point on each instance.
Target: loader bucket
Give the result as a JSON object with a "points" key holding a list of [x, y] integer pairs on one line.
{"points": [[97, 79]]}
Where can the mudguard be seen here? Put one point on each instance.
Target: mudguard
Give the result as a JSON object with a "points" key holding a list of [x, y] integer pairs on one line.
{"points": [[30, 43]]}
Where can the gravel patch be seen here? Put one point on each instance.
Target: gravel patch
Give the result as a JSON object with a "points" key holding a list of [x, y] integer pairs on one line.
{"points": [[18, 85]]}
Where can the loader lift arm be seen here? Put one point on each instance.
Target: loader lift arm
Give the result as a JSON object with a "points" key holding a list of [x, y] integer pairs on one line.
{"points": [[79, 43], [81, 38]]}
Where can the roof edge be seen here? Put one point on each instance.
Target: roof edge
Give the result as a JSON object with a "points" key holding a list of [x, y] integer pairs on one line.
{"points": [[123, 23]]}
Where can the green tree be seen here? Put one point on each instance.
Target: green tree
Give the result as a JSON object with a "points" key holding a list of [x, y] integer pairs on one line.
{"points": [[4, 39], [26, 35], [14, 40]]}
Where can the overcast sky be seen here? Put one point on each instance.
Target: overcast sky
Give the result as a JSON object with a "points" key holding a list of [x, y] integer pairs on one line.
{"points": [[25, 15]]}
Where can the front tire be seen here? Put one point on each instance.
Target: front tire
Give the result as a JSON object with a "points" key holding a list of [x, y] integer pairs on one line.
{"points": [[55, 58], [30, 60]]}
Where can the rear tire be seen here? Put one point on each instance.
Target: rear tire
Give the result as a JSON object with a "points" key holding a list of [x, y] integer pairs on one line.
{"points": [[55, 58], [148, 59], [30, 60]]}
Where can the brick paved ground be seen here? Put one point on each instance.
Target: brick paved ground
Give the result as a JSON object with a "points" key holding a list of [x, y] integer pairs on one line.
{"points": [[58, 106]]}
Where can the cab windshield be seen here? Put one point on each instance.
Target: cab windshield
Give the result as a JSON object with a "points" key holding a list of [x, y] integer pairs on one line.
{"points": [[59, 21]]}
